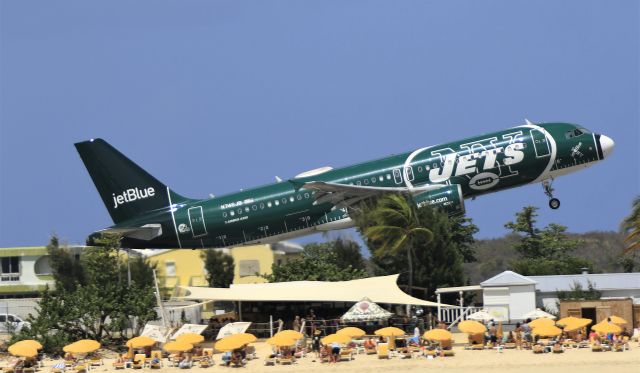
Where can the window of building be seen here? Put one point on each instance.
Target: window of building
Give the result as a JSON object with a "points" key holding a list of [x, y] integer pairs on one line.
{"points": [[249, 268], [170, 268], [10, 268]]}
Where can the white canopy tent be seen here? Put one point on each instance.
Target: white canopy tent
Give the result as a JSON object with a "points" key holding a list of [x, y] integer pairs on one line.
{"points": [[383, 289]]}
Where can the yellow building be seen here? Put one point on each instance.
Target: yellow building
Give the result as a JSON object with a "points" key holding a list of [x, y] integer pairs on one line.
{"points": [[185, 267]]}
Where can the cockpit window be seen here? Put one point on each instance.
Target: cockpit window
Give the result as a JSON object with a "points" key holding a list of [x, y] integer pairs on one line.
{"points": [[575, 133]]}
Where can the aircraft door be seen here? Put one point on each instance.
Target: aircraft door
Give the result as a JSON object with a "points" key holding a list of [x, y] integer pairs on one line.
{"points": [[397, 176], [540, 143], [196, 221]]}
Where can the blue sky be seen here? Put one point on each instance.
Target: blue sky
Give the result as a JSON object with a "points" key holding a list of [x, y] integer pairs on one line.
{"points": [[215, 96]]}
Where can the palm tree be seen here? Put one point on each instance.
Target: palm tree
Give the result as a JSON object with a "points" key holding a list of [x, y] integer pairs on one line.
{"points": [[395, 226], [631, 226]]}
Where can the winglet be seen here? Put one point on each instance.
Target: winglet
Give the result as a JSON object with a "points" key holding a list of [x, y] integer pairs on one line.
{"points": [[528, 122]]}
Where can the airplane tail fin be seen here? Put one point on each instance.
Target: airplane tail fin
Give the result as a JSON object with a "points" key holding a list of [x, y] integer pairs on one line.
{"points": [[125, 188]]}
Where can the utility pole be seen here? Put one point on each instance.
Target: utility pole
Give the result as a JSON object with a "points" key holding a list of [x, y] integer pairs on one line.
{"points": [[159, 299]]}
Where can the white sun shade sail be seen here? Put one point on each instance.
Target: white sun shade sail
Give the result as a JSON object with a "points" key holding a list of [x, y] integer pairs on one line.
{"points": [[383, 289]]}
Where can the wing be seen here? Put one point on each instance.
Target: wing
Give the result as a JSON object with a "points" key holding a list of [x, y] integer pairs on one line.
{"points": [[346, 195]]}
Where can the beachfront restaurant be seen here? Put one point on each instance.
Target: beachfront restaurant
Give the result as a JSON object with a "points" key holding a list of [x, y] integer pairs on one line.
{"points": [[267, 302]]}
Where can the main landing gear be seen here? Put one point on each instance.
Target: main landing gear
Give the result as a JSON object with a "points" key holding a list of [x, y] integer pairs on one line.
{"points": [[554, 203]]}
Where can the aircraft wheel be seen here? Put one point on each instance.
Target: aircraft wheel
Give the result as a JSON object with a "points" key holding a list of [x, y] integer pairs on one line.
{"points": [[554, 203]]}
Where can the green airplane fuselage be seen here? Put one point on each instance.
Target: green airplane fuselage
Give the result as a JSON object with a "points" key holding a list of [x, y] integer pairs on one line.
{"points": [[441, 175]]}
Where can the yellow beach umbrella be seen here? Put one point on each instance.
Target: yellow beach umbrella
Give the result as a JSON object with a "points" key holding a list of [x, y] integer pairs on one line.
{"points": [[471, 327], [336, 338], [617, 320], [234, 341], [192, 338], [83, 346], [540, 322], [390, 331], [141, 342], [568, 320], [351, 332], [291, 334], [22, 350], [437, 335], [281, 341], [606, 328], [577, 324], [29, 342], [547, 331], [177, 347]]}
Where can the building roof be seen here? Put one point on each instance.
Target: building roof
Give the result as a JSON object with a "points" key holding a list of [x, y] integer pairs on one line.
{"points": [[508, 278], [600, 281], [382, 289]]}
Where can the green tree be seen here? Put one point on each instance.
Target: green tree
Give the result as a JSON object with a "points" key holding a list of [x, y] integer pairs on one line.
{"points": [[437, 262], [544, 251], [577, 292], [219, 268], [631, 227], [394, 228], [317, 263], [65, 267], [346, 250], [100, 307]]}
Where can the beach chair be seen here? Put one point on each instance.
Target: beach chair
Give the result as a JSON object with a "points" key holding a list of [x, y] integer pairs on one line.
{"points": [[80, 368], [251, 352], [346, 354], [557, 349], [139, 361], [538, 349], [116, 365], [510, 346], [383, 351], [204, 362], [7, 370], [596, 348], [29, 370], [370, 350], [155, 354], [96, 361], [270, 360], [285, 360]]}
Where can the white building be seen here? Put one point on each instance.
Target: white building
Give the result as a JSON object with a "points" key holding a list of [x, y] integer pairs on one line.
{"points": [[508, 295], [610, 285]]}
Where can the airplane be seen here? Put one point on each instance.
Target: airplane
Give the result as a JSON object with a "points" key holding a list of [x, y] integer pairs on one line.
{"points": [[148, 214]]}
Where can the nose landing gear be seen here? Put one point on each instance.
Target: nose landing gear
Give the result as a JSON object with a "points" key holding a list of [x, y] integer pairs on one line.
{"points": [[554, 203]]}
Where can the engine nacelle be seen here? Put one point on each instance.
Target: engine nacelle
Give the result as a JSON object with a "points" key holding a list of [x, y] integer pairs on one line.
{"points": [[448, 199]]}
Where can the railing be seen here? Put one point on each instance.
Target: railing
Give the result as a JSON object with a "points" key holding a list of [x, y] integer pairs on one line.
{"points": [[454, 315]]}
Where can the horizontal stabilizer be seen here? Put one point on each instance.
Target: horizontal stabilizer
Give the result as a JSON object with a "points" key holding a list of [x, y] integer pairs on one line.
{"points": [[147, 232]]}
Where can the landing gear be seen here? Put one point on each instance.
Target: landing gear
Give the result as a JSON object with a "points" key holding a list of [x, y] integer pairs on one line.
{"points": [[554, 203]]}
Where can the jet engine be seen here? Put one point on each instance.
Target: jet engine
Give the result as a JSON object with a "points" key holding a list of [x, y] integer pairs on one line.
{"points": [[448, 199]]}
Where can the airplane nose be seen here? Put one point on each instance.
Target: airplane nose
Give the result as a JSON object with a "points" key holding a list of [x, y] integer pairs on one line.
{"points": [[607, 145]]}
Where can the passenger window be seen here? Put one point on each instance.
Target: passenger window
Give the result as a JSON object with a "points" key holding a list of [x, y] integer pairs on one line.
{"points": [[291, 199], [254, 208], [381, 178], [299, 197], [306, 195], [246, 209], [277, 202], [284, 201], [419, 168], [569, 134], [224, 214], [366, 181], [358, 182], [373, 180], [240, 211], [388, 176], [231, 213], [261, 205]]}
